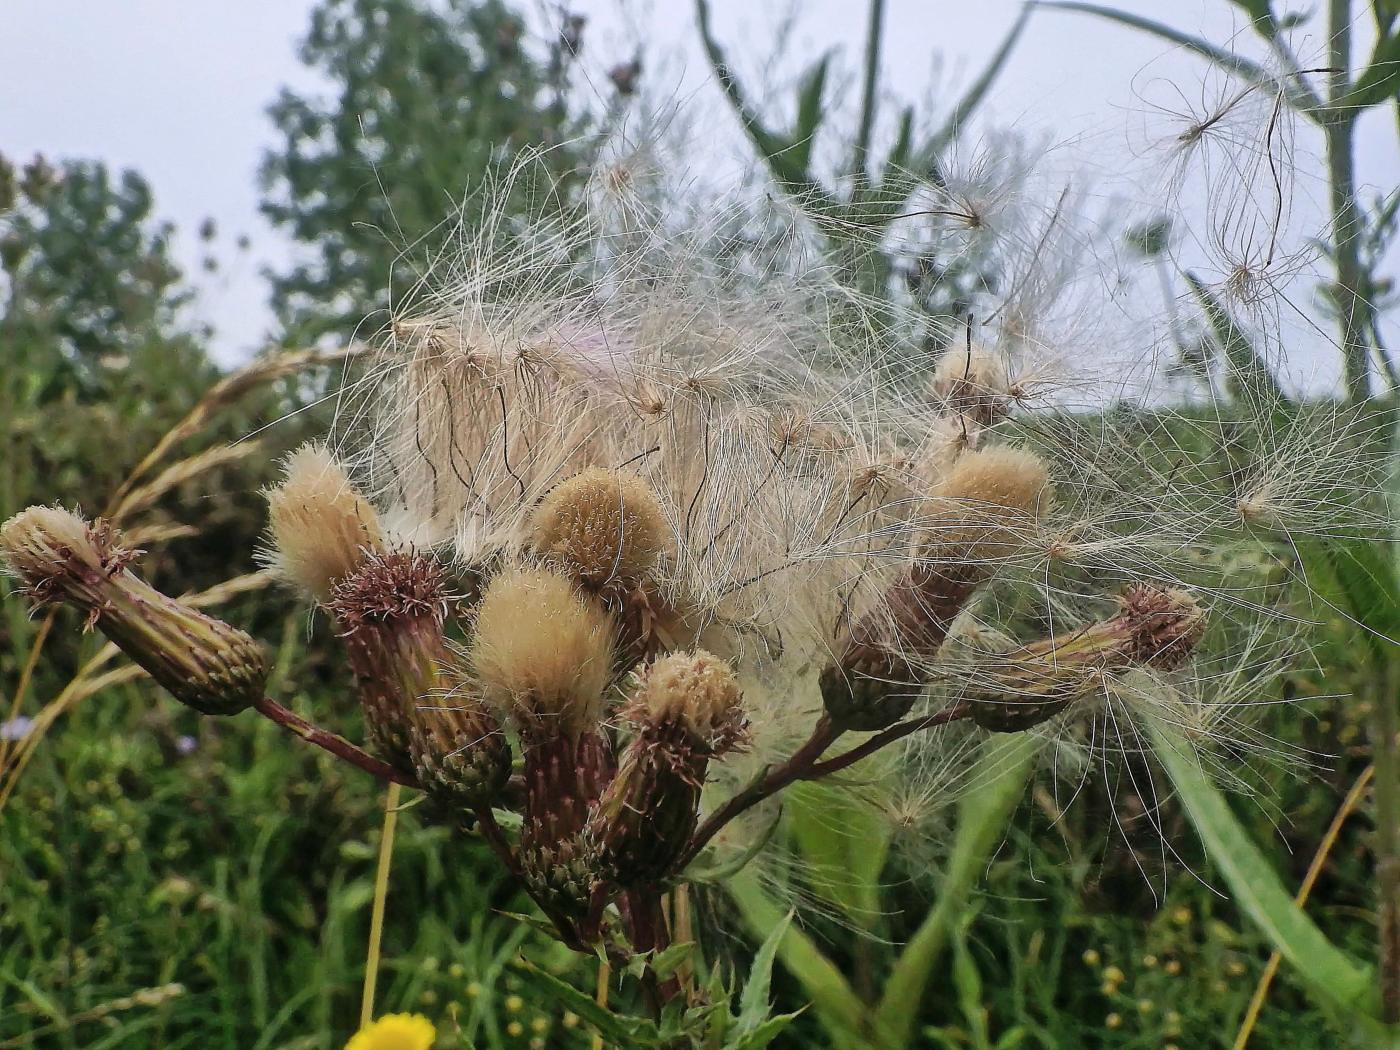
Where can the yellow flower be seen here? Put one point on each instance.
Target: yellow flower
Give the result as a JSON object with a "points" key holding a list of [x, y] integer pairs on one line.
{"points": [[395, 1032]]}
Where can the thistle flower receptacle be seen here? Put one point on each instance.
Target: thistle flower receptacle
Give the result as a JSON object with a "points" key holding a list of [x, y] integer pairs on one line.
{"points": [[972, 384], [390, 611], [978, 519], [320, 524], [686, 711], [1155, 627], [203, 662]]}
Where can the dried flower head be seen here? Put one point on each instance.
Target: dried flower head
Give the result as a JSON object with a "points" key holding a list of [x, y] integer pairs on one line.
{"points": [[542, 651], [972, 383], [203, 662], [321, 526], [696, 692], [686, 711], [985, 508], [1155, 627], [602, 526]]}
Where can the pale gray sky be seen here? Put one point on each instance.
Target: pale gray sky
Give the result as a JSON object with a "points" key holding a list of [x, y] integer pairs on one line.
{"points": [[178, 90]]}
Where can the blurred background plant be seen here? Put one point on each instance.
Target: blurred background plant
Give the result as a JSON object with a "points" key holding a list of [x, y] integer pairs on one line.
{"points": [[168, 882]]}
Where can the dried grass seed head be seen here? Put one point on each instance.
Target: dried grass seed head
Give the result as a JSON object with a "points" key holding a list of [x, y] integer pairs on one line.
{"points": [[542, 651], [320, 525]]}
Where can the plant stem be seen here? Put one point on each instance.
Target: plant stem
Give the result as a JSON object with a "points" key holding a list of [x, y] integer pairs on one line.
{"points": [[1385, 754], [381, 896], [775, 779], [327, 741], [884, 738], [1339, 126], [805, 764]]}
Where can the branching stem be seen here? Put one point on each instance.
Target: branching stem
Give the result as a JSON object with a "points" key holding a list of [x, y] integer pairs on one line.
{"points": [[328, 741]]}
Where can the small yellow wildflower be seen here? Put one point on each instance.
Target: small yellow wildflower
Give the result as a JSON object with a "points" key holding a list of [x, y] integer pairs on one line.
{"points": [[395, 1032]]}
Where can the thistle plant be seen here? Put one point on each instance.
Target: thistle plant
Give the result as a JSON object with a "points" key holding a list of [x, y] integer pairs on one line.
{"points": [[621, 544]]}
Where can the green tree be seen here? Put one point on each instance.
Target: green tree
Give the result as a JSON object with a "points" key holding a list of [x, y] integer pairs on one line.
{"points": [[94, 323], [427, 99]]}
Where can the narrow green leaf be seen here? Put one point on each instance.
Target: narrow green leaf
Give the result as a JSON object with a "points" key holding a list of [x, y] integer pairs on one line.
{"points": [[1249, 376], [833, 999], [621, 1032], [1322, 967], [753, 1002], [932, 151], [667, 961], [809, 111], [763, 1034], [1380, 80], [1222, 57], [1000, 778]]}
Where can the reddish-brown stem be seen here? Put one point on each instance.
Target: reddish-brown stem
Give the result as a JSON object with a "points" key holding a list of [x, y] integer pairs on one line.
{"points": [[805, 765], [327, 741], [777, 778], [884, 738]]}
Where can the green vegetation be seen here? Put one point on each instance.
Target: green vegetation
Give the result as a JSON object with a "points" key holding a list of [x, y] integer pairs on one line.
{"points": [[141, 847]]}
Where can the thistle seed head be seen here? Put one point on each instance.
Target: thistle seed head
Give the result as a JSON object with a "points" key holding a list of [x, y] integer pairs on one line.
{"points": [[321, 527], [972, 383], [203, 662], [985, 506], [696, 692], [1155, 627], [602, 526], [542, 651]]}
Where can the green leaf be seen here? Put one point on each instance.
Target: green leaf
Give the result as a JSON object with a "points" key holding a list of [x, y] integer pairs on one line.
{"points": [[667, 961], [1225, 59], [753, 1003], [1380, 80], [764, 1033], [1249, 376], [616, 1030], [834, 1001], [972, 98], [809, 111], [1000, 778], [898, 157], [1328, 972], [845, 843]]}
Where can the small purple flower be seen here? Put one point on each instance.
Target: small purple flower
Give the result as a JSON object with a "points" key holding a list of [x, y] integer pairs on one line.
{"points": [[16, 728], [186, 745]]}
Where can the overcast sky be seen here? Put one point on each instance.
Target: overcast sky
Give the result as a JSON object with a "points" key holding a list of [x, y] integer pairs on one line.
{"points": [[179, 90]]}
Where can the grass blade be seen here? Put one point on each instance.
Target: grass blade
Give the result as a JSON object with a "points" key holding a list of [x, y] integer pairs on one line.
{"points": [[1328, 972]]}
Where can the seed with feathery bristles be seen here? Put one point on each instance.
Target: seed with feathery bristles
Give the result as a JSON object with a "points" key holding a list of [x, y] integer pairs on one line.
{"points": [[542, 651], [321, 526], [602, 526], [203, 662], [1155, 627], [972, 383]]}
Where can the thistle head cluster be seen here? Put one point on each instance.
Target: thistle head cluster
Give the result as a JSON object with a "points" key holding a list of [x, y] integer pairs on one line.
{"points": [[705, 535]]}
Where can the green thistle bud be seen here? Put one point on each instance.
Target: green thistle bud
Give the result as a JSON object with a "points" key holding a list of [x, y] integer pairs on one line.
{"points": [[1155, 627], [203, 662]]}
